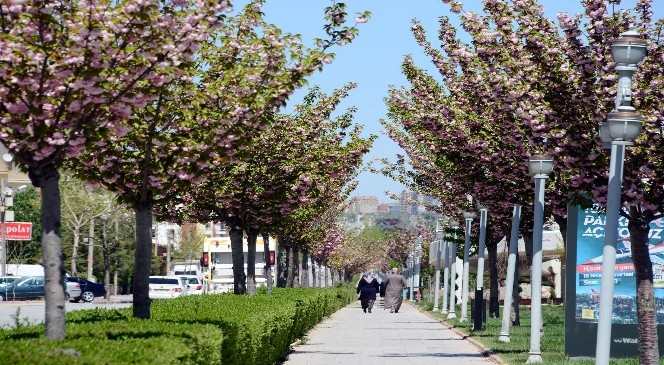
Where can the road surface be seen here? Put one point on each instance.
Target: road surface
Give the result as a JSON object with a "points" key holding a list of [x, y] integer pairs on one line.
{"points": [[33, 311]]}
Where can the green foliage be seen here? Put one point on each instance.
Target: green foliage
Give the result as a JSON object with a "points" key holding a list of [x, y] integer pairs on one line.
{"points": [[119, 341], [257, 329], [27, 208], [516, 351], [187, 330]]}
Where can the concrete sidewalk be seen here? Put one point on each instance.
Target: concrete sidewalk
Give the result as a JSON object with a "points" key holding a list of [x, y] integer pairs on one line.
{"points": [[408, 337]]}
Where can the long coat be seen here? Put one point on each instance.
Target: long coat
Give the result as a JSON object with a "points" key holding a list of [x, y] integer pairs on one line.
{"points": [[394, 285], [367, 290]]}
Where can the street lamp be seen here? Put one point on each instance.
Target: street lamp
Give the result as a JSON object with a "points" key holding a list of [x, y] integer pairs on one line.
{"points": [[468, 218], [446, 265], [453, 256], [539, 167], [622, 126], [437, 264], [411, 279], [416, 267], [479, 289], [511, 265]]}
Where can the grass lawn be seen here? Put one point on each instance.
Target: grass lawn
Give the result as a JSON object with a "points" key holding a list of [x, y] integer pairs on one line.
{"points": [[516, 352]]}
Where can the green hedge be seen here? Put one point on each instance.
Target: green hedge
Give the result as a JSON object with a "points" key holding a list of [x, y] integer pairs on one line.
{"points": [[187, 330], [128, 341], [258, 329]]}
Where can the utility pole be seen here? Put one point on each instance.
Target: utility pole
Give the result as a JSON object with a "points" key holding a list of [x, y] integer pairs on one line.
{"points": [[6, 201], [6, 215]]}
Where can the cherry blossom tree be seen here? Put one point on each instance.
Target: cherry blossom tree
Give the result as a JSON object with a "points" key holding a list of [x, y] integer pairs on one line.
{"points": [[70, 75]]}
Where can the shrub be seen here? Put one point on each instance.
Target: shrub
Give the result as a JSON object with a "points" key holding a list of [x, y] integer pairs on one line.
{"points": [[188, 330], [126, 341], [257, 329]]}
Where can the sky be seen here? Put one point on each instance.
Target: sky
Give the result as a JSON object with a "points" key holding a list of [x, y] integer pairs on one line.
{"points": [[374, 59]]}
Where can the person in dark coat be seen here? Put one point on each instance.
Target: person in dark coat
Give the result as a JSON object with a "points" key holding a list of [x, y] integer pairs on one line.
{"points": [[367, 288]]}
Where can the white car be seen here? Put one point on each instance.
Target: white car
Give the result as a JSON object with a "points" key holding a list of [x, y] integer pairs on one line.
{"points": [[166, 287], [194, 284], [73, 290]]}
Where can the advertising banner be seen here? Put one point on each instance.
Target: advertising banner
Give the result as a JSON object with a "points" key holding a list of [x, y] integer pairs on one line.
{"points": [[18, 231], [590, 239], [585, 240]]}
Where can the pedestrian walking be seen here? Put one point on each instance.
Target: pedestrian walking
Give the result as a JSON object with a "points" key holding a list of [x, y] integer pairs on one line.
{"points": [[394, 285], [367, 288]]}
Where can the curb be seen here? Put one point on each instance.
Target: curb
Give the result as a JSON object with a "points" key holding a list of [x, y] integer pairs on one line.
{"points": [[485, 351]]}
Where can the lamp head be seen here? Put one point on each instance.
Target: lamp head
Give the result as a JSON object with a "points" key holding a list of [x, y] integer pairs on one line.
{"points": [[540, 165], [623, 125], [469, 215], [7, 157], [629, 48]]}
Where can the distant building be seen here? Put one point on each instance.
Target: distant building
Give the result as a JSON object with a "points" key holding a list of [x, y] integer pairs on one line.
{"points": [[163, 234], [364, 205], [383, 209], [394, 209]]}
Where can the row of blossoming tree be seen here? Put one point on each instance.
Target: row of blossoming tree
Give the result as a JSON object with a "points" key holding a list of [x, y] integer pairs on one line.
{"points": [[174, 106], [524, 85]]}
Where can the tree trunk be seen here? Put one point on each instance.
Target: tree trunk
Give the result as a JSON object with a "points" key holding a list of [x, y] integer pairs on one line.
{"points": [[268, 266], [297, 278], [516, 296], [639, 229], [528, 241], [291, 267], [494, 305], [305, 269], [142, 259], [115, 282], [107, 261], [239, 277], [47, 178], [91, 250], [252, 236], [74, 250], [282, 269]]}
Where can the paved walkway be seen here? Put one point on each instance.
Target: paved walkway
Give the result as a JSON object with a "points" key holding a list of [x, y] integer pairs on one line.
{"points": [[408, 337]]}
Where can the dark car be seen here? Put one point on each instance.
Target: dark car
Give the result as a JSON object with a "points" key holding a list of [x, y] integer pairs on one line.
{"points": [[27, 287], [89, 289]]}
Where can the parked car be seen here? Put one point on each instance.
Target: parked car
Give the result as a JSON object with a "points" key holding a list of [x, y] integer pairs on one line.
{"points": [[8, 280], [193, 284], [89, 289], [73, 290], [166, 287], [26, 287]]}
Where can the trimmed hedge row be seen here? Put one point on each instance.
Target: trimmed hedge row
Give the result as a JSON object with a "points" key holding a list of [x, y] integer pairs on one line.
{"points": [[206, 329], [128, 341]]}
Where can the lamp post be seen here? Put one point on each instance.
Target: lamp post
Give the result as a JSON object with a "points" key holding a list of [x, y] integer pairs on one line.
{"points": [[446, 265], [437, 263], [416, 270], [468, 218], [539, 167], [411, 277], [622, 126], [479, 288], [511, 265], [453, 255]]}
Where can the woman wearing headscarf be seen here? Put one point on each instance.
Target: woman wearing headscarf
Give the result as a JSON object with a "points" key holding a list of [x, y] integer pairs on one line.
{"points": [[394, 285], [367, 288]]}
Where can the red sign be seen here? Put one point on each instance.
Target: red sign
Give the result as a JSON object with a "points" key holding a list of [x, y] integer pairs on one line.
{"points": [[19, 231], [272, 258]]}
